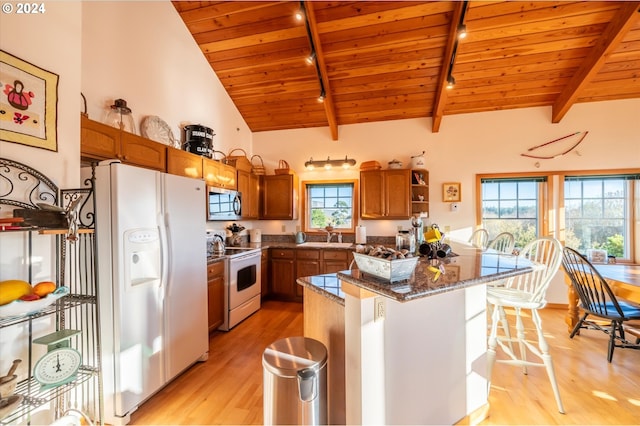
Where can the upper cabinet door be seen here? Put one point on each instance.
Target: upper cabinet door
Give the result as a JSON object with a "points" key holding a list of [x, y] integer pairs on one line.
{"points": [[372, 205], [184, 163], [279, 197], [98, 141], [398, 194], [385, 194], [219, 174], [143, 152]]}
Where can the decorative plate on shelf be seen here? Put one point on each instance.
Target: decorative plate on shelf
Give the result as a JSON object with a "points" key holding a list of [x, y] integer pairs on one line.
{"points": [[19, 308], [155, 128]]}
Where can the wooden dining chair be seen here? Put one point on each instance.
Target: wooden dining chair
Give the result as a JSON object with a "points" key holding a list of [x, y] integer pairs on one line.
{"points": [[479, 238], [503, 242], [598, 300], [525, 292]]}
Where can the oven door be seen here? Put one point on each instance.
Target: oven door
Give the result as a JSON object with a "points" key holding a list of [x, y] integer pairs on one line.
{"points": [[244, 279]]}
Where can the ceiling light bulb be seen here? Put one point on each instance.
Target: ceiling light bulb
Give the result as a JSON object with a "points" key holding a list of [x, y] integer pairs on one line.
{"points": [[321, 98], [327, 166], [310, 59], [299, 15], [462, 31], [451, 82], [310, 167]]}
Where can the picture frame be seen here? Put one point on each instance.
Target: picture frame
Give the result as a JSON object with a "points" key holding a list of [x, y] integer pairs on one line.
{"points": [[451, 192], [28, 103]]}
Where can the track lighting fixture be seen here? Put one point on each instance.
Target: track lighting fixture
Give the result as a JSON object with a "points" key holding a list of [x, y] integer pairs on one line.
{"points": [[460, 34], [328, 164], [311, 59]]}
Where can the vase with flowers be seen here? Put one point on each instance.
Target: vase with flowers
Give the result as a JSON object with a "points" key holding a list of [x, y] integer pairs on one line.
{"points": [[235, 239]]}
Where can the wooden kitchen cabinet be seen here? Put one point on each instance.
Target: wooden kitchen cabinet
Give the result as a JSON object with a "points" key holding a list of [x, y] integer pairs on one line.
{"points": [[248, 185], [184, 163], [216, 173], [279, 197], [283, 274], [335, 260], [385, 194], [215, 293], [264, 274], [287, 265], [99, 141], [307, 264]]}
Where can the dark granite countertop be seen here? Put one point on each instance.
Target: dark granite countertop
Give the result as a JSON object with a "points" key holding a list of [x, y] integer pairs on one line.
{"points": [[470, 266], [327, 285]]}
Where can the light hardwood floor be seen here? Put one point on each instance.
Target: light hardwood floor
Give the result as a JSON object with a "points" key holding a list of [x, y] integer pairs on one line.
{"points": [[227, 389]]}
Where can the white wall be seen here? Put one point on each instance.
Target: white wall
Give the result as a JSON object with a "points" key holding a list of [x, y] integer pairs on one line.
{"points": [[51, 41], [466, 145], [142, 52]]}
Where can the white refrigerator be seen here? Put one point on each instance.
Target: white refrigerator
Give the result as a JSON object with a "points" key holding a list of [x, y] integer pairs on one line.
{"points": [[152, 284]]}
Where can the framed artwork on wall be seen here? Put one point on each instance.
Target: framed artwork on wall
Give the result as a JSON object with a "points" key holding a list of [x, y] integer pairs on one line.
{"points": [[451, 192], [28, 103]]}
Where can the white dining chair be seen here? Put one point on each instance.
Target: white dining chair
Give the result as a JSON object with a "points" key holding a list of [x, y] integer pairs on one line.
{"points": [[479, 238], [504, 242], [525, 292]]}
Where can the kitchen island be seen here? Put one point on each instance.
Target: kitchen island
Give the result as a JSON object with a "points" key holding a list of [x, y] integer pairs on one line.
{"points": [[414, 352]]}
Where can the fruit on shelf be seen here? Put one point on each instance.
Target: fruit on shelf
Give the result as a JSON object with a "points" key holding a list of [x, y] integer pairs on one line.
{"points": [[43, 288], [29, 297], [11, 290]]}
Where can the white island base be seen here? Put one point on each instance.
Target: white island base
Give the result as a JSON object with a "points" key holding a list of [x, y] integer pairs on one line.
{"points": [[422, 362]]}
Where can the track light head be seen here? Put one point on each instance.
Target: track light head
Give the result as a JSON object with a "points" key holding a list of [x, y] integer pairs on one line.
{"points": [[451, 82], [462, 31], [311, 58]]}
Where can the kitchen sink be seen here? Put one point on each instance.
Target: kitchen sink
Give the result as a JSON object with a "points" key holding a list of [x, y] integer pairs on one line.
{"points": [[321, 244]]}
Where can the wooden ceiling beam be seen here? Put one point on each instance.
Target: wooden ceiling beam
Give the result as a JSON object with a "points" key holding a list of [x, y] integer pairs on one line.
{"points": [[329, 106], [441, 87], [619, 26]]}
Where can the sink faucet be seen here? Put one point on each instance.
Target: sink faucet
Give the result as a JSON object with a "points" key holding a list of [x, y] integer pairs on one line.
{"points": [[329, 235]]}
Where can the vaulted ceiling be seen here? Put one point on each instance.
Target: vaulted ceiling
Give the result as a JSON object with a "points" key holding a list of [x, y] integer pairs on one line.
{"points": [[377, 61]]}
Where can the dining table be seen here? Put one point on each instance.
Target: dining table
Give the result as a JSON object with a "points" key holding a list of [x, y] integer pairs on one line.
{"points": [[623, 278]]}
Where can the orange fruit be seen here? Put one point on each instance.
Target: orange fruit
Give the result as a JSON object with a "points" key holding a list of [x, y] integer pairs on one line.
{"points": [[43, 288]]}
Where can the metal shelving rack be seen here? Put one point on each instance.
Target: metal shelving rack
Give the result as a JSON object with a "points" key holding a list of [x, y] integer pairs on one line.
{"points": [[24, 187]]}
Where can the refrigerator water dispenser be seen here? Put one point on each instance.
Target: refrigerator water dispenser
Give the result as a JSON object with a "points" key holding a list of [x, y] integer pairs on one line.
{"points": [[142, 257]]}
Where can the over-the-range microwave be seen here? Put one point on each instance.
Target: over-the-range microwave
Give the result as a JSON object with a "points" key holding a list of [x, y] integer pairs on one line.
{"points": [[223, 204]]}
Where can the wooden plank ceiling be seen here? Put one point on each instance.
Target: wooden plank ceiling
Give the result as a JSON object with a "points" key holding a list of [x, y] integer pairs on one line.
{"points": [[391, 60]]}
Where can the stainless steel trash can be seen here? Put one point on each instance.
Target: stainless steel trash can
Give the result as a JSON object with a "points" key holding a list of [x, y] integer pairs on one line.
{"points": [[295, 382]]}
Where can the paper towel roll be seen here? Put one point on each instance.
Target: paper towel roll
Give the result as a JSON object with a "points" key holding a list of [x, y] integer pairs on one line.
{"points": [[255, 235], [361, 234]]}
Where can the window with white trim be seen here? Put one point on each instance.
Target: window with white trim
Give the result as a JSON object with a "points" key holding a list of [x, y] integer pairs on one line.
{"points": [[513, 205], [598, 213], [329, 203]]}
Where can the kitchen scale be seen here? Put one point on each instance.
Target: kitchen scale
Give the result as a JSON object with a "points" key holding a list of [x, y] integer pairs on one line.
{"points": [[61, 363]]}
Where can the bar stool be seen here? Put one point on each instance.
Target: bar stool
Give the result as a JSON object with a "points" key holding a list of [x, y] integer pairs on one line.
{"points": [[525, 292]]}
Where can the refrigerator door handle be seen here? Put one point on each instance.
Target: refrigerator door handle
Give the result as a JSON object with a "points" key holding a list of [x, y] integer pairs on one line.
{"points": [[164, 251]]}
